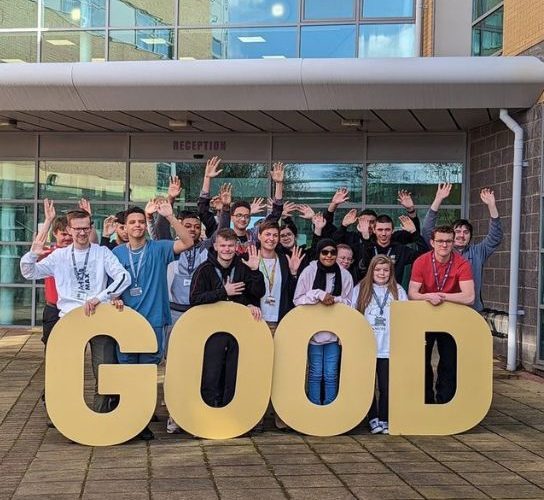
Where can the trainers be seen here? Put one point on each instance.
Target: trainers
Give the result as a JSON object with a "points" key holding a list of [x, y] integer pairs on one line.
{"points": [[375, 426], [385, 427], [146, 434], [172, 427]]}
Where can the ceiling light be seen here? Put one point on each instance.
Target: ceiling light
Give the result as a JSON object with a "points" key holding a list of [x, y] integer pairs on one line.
{"points": [[274, 57], [60, 42], [278, 10], [180, 123], [12, 60], [187, 58], [352, 122], [251, 39], [8, 123], [154, 41]]}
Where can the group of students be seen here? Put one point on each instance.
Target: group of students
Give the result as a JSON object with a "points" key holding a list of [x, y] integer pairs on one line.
{"points": [[196, 258]]}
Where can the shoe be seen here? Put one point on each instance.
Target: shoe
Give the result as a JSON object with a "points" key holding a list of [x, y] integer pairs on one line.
{"points": [[385, 427], [172, 427], [146, 434], [258, 429], [155, 418], [375, 426]]}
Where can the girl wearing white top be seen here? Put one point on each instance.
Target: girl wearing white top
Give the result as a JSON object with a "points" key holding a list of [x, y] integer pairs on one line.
{"points": [[373, 297]]}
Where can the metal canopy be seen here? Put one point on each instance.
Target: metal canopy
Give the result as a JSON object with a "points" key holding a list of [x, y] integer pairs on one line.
{"points": [[292, 95]]}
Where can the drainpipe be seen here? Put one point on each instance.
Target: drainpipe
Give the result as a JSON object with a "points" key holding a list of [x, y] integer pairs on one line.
{"points": [[511, 359], [418, 28]]}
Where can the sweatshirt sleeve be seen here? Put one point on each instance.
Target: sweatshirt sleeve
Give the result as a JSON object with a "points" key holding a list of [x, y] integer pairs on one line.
{"points": [[31, 269], [304, 294], [493, 238], [428, 225], [120, 277]]}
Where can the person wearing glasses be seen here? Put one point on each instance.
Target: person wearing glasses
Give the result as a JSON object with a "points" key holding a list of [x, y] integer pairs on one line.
{"points": [[325, 282], [439, 276], [81, 271]]}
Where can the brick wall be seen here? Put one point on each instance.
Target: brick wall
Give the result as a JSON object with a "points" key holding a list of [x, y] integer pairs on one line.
{"points": [[491, 156], [523, 25]]}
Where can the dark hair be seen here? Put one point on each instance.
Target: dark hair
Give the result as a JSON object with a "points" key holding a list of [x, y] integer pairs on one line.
{"points": [[290, 226], [187, 214], [134, 210], [227, 234], [442, 229], [384, 219], [369, 211], [77, 214], [463, 222], [263, 226], [238, 204], [120, 217], [60, 224]]}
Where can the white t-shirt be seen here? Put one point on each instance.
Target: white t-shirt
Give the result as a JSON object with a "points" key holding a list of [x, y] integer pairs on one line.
{"points": [[270, 303]]}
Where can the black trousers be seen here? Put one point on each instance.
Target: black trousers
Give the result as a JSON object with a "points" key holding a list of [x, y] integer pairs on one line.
{"points": [[446, 373], [50, 318], [380, 405], [219, 370]]}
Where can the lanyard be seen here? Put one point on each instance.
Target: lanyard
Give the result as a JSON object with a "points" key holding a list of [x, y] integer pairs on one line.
{"points": [[270, 278], [381, 305], [191, 259], [387, 254], [440, 286], [136, 273], [80, 273], [230, 278]]}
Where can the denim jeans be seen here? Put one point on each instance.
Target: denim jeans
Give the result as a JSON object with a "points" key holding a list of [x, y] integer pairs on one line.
{"points": [[144, 358], [323, 363]]}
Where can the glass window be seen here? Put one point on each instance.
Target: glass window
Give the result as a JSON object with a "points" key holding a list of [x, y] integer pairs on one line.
{"points": [[316, 182], [136, 45], [18, 14], [480, 7], [16, 222], [16, 180], [325, 9], [15, 306], [141, 13], [10, 255], [201, 12], [385, 179], [96, 181], [40, 304], [239, 43], [386, 40], [487, 35], [18, 47], [74, 13], [73, 46], [388, 8], [327, 41]]}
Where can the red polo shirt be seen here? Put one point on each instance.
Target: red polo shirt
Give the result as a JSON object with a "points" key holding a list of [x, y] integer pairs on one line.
{"points": [[51, 295], [422, 272]]}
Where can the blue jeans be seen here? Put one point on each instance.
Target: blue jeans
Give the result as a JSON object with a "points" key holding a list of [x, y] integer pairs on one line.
{"points": [[144, 358], [323, 367]]}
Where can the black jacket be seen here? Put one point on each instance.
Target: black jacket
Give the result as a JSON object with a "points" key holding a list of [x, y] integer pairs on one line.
{"points": [[288, 286], [207, 287]]}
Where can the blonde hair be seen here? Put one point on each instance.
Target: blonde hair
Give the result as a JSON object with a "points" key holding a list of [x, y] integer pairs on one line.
{"points": [[365, 285]]}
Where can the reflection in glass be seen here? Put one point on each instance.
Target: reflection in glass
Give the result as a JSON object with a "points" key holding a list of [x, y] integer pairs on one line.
{"points": [[238, 43], [10, 255], [325, 9], [15, 306], [388, 8], [139, 45], [16, 180], [201, 12], [327, 41], [96, 181], [487, 35], [141, 13], [386, 40], [480, 7], [74, 13], [40, 304], [18, 14], [73, 46], [18, 47], [385, 179], [16, 222], [316, 183]]}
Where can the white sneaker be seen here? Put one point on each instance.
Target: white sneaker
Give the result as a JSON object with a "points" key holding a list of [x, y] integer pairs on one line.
{"points": [[172, 427], [385, 427], [375, 426]]}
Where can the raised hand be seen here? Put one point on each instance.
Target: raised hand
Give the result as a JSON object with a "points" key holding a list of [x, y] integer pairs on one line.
{"points": [[364, 227], [216, 204], [38, 244], [110, 225], [174, 188], [407, 224], [253, 257], [165, 209], [350, 218], [49, 210], [84, 204], [294, 260], [306, 211], [405, 199], [150, 208], [487, 195], [288, 208], [257, 206], [234, 288], [212, 167], [443, 191], [319, 223], [277, 173], [225, 195], [341, 196]]}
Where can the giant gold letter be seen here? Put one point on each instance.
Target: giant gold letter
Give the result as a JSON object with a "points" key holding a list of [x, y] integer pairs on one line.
{"points": [[64, 377], [408, 413], [357, 372]]}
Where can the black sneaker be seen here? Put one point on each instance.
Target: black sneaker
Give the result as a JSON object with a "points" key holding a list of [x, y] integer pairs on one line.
{"points": [[146, 434]]}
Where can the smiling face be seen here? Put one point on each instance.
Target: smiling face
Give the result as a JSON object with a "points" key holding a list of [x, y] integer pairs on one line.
{"points": [[345, 257], [327, 256], [442, 244], [381, 274], [80, 230], [62, 237], [135, 225], [287, 238], [121, 232], [240, 218], [462, 236], [383, 232], [226, 249], [193, 227], [269, 239]]}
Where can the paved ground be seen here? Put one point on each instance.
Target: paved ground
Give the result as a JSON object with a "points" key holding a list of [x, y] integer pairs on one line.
{"points": [[501, 458]]}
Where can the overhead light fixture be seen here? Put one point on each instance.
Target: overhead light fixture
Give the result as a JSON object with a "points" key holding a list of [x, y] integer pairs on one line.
{"points": [[154, 41], [180, 123], [274, 57], [352, 122], [6, 123], [98, 59], [12, 61], [251, 39], [187, 58], [60, 42]]}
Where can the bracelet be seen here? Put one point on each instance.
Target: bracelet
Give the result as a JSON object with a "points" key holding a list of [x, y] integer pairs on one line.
{"points": [[413, 211]]}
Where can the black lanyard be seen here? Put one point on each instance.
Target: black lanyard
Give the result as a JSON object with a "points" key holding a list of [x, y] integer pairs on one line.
{"points": [[80, 273], [191, 259], [381, 306], [440, 286]]}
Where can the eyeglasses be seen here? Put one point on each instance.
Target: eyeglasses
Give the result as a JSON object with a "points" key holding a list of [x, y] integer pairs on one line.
{"points": [[242, 216], [443, 242], [80, 229], [345, 259], [326, 253]]}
